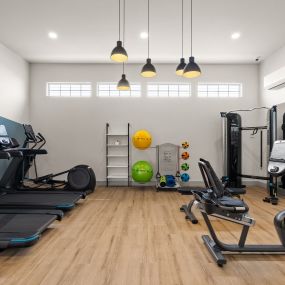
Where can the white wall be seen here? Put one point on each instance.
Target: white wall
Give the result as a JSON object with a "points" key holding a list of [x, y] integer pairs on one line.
{"points": [[267, 66], [75, 128], [269, 98], [273, 97], [14, 86]]}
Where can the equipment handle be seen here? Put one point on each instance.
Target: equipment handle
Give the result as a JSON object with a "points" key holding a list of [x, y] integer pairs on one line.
{"points": [[42, 139], [4, 155], [41, 136]]}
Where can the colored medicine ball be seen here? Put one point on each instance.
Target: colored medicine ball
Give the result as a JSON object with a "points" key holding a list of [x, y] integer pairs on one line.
{"points": [[185, 177], [170, 181], [185, 166], [142, 139], [142, 171], [185, 155], [185, 145]]}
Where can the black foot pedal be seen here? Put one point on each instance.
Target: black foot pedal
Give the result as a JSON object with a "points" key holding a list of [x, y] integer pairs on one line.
{"points": [[272, 200]]}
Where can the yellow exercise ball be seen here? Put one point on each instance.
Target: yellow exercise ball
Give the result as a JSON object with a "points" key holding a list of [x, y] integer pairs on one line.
{"points": [[142, 139]]}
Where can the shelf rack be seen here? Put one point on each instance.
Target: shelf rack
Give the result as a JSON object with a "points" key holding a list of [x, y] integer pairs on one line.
{"points": [[122, 152]]}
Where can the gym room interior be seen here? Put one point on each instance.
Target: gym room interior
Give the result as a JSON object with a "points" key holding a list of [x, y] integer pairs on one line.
{"points": [[142, 142]]}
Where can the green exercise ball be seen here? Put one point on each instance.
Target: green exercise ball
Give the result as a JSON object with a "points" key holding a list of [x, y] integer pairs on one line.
{"points": [[185, 166], [142, 171]]}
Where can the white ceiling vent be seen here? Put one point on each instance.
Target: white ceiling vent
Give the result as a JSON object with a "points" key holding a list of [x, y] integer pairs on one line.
{"points": [[275, 80]]}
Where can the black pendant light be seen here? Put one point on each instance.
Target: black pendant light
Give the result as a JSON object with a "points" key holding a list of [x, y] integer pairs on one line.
{"points": [[123, 84], [192, 69], [119, 53], [180, 67], [148, 69]]}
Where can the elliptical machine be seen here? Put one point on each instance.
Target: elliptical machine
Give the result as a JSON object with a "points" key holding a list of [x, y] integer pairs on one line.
{"points": [[79, 178], [214, 202]]}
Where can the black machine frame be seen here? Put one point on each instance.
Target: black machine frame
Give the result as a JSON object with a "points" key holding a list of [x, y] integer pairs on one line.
{"points": [[33, 146], [236, 211], [232, 148]]}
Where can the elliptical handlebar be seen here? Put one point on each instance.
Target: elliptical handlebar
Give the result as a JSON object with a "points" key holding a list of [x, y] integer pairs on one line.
{"points": [[31, 137], [41, 140]]}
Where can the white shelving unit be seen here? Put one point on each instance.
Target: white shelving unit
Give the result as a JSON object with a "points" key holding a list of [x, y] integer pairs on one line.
{"points": [[117, 156], [115, 145]]}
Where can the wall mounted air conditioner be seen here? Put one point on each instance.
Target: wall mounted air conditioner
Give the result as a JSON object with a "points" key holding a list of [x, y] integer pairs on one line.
{"points": [[275, 80]]}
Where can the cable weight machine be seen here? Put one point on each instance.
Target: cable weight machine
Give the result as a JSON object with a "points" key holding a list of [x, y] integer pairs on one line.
{"points": [[232, 149]]}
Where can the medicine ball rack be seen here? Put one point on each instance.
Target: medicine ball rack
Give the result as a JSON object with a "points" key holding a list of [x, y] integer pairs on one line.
{"points": [[117, 150], [168, 164]]}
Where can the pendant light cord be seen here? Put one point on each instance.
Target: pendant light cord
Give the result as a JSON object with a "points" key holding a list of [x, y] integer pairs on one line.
{"points": [[124, 25], [148, 28], [191, 6], [124, 20], [182, 27], [119, 20]]}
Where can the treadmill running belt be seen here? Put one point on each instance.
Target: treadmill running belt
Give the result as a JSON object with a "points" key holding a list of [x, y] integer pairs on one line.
{"points": [[63, 201], [4, 219], [23, 229]]}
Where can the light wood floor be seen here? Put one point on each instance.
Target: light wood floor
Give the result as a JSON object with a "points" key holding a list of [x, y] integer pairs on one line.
{"points": [[137, 236]]}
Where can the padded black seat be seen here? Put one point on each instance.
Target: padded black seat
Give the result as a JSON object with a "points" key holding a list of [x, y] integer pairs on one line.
{"points": [[239, 205], [218, 197], [225, 203]]}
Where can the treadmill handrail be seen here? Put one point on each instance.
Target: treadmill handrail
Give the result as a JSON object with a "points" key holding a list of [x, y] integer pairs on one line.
{"points": [[4, 155], [282, 160]]}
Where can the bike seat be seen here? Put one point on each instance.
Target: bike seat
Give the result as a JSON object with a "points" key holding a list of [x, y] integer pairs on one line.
{"points": [[236, 204]]}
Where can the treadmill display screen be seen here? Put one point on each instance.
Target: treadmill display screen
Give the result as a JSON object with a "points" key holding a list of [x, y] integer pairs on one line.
{"points": [[3, 132], [278, 151]]}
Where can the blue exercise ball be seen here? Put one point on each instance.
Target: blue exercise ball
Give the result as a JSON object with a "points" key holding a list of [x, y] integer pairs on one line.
{"points": [[185, 177]]}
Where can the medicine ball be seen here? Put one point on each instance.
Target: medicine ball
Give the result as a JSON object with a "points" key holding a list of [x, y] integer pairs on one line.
{"points": [[185, 177], [185, 144], [185, 166], [185, 155]]}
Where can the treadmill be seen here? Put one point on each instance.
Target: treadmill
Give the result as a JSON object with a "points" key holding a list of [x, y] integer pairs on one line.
{"points": [[12, 198], [24, 227]]}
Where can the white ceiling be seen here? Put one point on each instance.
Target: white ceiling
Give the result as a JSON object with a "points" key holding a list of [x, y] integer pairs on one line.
{"points": [[88, 29]]}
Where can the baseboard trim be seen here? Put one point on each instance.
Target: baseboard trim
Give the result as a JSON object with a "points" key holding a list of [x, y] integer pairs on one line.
{"points": [[193, 183]]}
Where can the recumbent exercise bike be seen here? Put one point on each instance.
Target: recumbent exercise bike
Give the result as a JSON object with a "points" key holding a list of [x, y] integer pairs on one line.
{"points": [[216, 201]]}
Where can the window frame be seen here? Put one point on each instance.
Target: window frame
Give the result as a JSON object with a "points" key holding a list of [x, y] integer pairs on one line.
{"points": [[219, 84], [48, 83], [169, 84], [115, 96]]}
